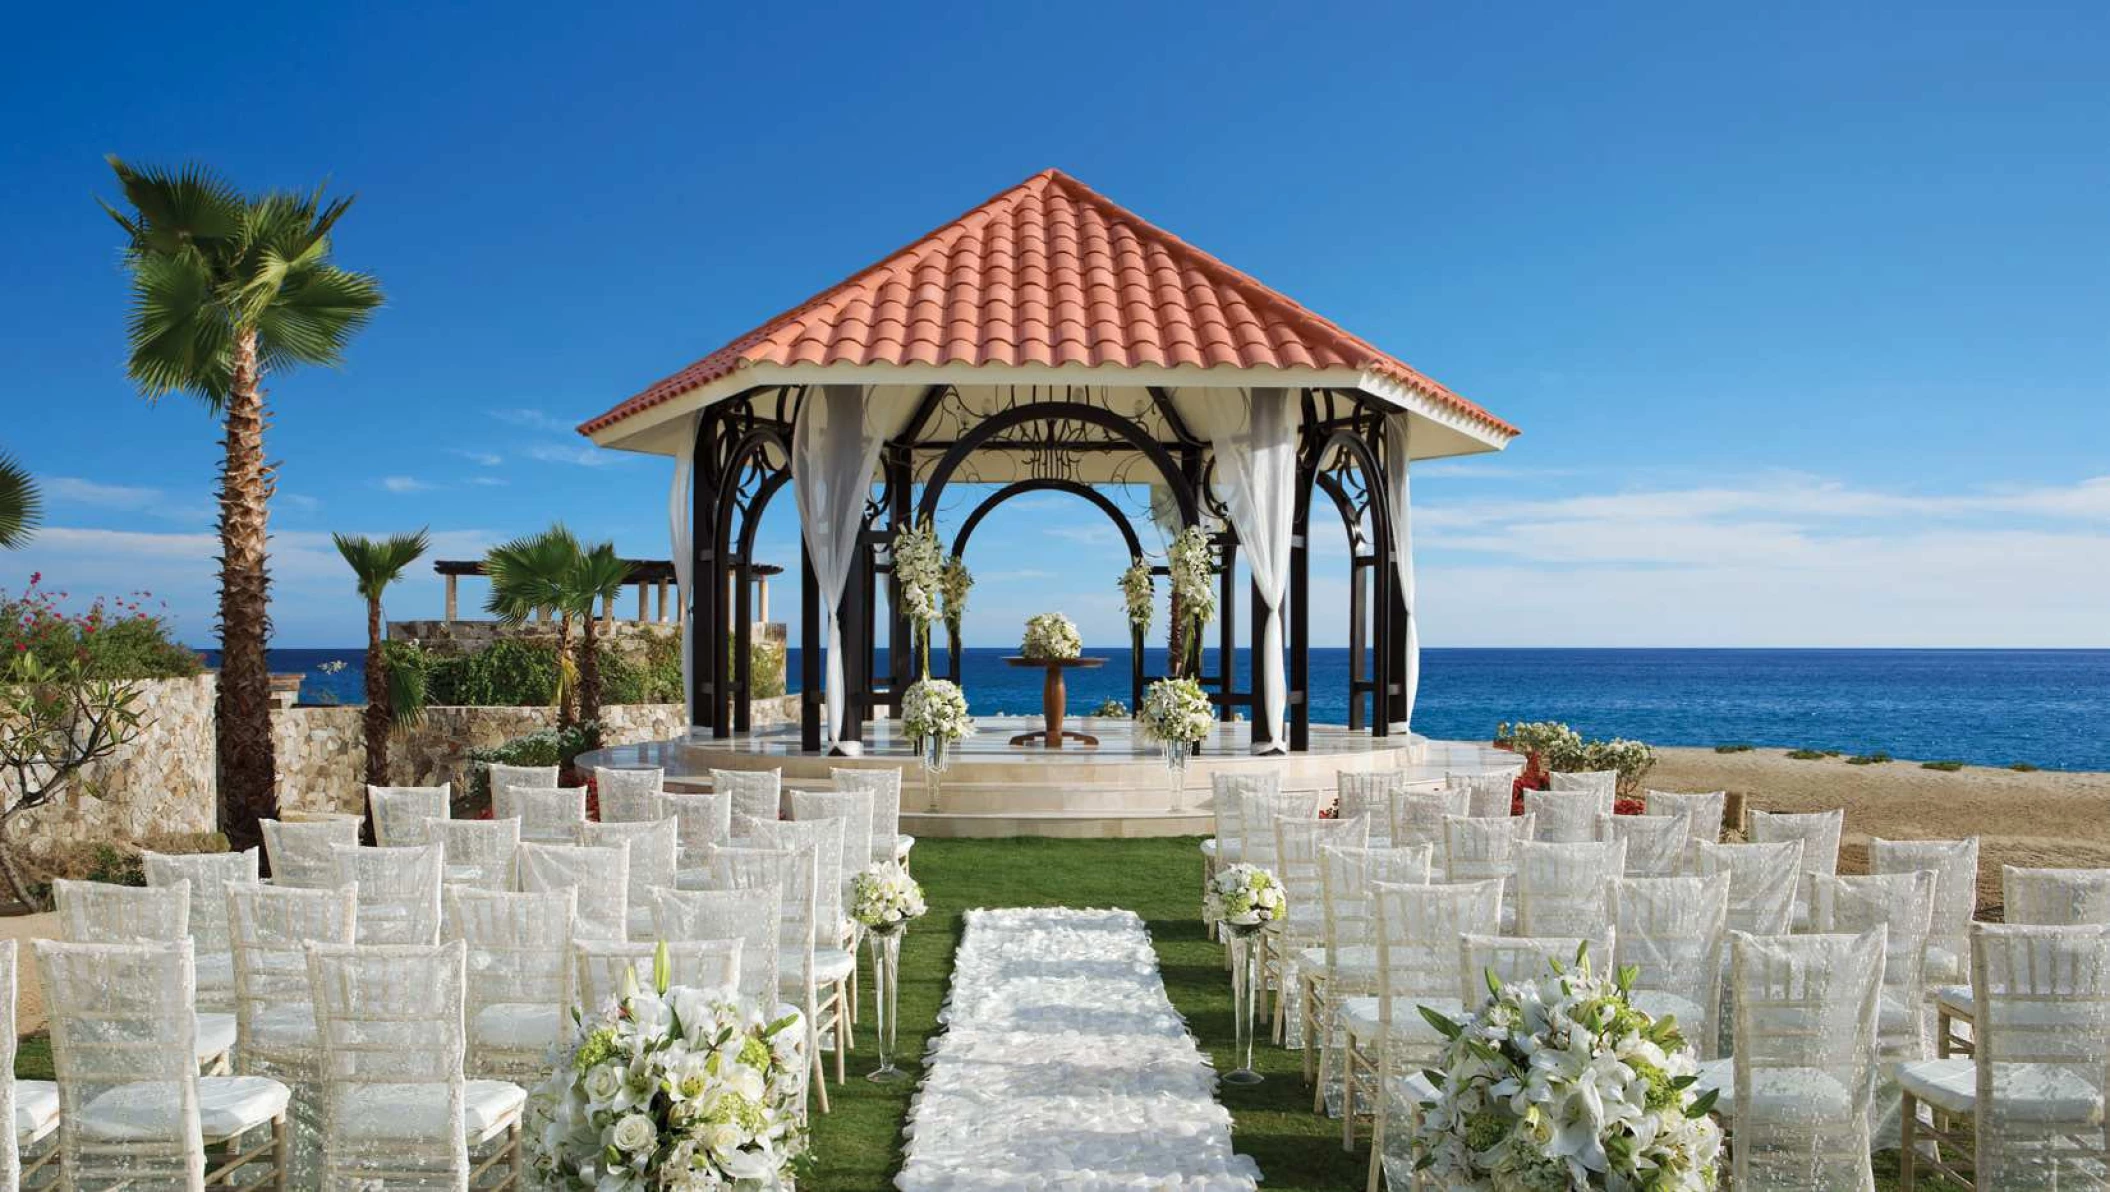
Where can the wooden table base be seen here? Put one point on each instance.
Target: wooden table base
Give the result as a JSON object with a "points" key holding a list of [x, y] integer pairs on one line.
{"points": [[1053, 695]]}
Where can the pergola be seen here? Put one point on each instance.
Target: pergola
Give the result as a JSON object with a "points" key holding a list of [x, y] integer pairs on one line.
{"points": [[1047, 340]]}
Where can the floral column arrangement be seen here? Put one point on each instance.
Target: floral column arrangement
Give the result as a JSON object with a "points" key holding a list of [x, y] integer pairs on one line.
{"points": [[933, 711], [1176, 712]]}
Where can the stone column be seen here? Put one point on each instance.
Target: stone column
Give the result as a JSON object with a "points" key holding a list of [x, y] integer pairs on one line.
{"points": [[452, 583]]}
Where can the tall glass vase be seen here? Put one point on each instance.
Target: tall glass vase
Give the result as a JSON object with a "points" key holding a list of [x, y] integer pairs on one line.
{"points": [[1176, 755], [934, 757], [886, 966], [1245, 987]]}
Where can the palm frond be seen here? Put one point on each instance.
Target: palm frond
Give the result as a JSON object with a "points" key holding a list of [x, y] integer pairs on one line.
{"points": [[313, 314], [178, 334], [407, 683], [601, 573], [21, 506], [532, 574], [379, 562], [176, 209]]}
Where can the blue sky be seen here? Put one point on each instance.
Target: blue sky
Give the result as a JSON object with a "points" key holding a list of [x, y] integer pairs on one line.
{"points": [[1804, 314]]}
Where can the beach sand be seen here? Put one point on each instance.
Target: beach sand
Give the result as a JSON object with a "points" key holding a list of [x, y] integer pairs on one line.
{"points": [[2043, 818]]}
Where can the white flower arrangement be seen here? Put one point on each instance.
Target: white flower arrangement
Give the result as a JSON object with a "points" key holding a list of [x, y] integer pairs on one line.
{"points": [[1561, 1083], [919, 567], [885, 898], [1176, 712], [1244, 898], [673, 1089], [953, 585], [935, 708], [1192, 563], [1139, 592], [1051, 636]]}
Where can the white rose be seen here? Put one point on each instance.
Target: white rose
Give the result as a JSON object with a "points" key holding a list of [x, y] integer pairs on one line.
{"points": [[603, 1082], [634, 1134]]}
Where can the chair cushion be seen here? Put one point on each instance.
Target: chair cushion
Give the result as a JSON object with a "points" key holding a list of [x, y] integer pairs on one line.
{"points": [[2024, 1092], [1944, 965], [143, 1112], [516, 1026], [1209, 847], [1659, 1003], [283, 1027], [1415, 1089], [1361, 1016], [411, 1112], [36, 1109], [1958, 1000], [1355, 958], [1778, 1092], [215, 1035], [831, 965], [903, 845]]}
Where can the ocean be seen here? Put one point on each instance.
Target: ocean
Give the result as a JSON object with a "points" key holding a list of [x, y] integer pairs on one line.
{"points": [[1986, 707]]}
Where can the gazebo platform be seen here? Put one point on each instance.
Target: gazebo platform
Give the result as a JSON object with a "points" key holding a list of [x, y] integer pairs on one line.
{"points": [[1119, 788]]}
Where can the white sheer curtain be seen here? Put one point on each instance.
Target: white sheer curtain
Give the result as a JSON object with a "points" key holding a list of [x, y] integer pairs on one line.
{"points": [[834, 448], [683, 535], [1254, 435], [1399, 501]]}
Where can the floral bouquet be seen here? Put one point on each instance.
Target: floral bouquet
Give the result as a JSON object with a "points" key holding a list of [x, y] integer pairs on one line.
{"points": [[935, 709], [1244, 898], [1561, 1083], [1192, 564], [1176, 712], [919, 567], [671, 1088], [954, 584], [1139, 592], [1051, 636], [885, 898]]}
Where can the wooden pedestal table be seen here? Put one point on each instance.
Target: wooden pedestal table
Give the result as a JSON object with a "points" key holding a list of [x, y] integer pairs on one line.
{"points": [[1052, 697]]}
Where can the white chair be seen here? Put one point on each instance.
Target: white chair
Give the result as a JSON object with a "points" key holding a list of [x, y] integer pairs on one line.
{"points": [[1226, 791], [1655, 844], [133, 1111], [1903, 905], [399, 891], [1347, 961], [652, 845], [701, 823], [102, 913], [1417, 818], [884, 783], [1491, 796], [479, 853], [1297, 844], [805, 970], [519, 963], [854, 809], [1798, 1091], [601, 875], [1560, 888], [1602, 782], [1478, 849], [599, 969], [1417, 929], [755, 793], [30, 1106], [628, 795], [299, 853], [1510, 958], [1763, 879], [271, 929], [396, 1109], [547, 814], [504, 775], [2035, 1087], [1704, 811], [1954, 864], [1367, 795], [1670, 930], [208, 875], [1565, 817], [400, 812], [1819, 833], [2055, 897], [748, 915], [1257, 813]]}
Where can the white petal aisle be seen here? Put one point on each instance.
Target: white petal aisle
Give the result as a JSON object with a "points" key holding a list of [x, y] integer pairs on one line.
{"points": [[1063, 1066]]}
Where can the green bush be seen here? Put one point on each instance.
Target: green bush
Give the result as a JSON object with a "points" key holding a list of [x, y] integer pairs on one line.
{"points": [[1944, 767], [1868, 759], [2023, 767], [1809, 755], [117, 638], [517, 673], [1738, 747], [546, 747]]}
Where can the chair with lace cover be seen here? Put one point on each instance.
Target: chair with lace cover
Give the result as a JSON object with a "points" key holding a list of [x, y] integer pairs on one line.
{"points": [[504, 775], [1796, 1095], [812, 978], [1819, 833], [519, 960], [1490, 796], [1655, 844], [748, 915], [547, 814], [702, 822], [1346, 964], [884, 783], [1297, 844], [1417, 818], [479, 853], [601, 875], [1670, 930], [1511, 958], [2055, 897], [31, 1105], [755, 793], [396, 1108], [1417, 929], [1257, 813], [1763, 879], [1903, 905], [133, 1111], [208, 875], [300, 854], [1226, 793], [1367, 795], [854, 809], [2035, 1088], [1482, 848], [1955, 867], [1602, 782], [1560, 888], [653, 848], [834, 936], [400, 812], [1704, 811], [271, 928], [102, 913], [628, 794], [599, 969], [399, 891], [1565, 817]]}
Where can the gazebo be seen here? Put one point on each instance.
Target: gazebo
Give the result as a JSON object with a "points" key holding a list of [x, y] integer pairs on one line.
{"points": [[1047, 340]]}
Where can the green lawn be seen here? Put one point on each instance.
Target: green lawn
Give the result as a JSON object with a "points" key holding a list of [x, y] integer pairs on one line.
{"points": [[857, 1147]]}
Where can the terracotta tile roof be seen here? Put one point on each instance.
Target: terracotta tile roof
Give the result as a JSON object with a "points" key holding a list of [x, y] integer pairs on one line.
{"points": [[1049, 273]]}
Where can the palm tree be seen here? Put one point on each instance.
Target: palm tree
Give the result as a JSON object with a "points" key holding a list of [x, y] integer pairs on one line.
{"points": [[534, 576], [226, 289], [21, 507], [600, 575], [378, 563]]}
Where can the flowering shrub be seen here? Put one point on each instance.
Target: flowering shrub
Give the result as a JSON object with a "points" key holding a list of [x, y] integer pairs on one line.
{"points": [[1244, 896], [885, 898], [1051, 636], [1558, 747], [118, 637]]}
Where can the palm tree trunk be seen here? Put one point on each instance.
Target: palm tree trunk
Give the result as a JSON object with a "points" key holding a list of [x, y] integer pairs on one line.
{"points": [[246, 765], [375, 722], [567, 693], [589, 672]]}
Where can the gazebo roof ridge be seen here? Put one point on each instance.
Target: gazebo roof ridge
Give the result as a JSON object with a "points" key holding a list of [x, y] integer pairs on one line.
{"points": [[1090, 315]]}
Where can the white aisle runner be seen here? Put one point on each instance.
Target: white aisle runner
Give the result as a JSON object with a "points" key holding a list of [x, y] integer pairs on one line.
{"points": [[1063, 1068]]}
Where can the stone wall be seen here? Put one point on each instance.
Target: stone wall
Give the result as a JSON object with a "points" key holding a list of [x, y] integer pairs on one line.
{"points": [[163, 782]]}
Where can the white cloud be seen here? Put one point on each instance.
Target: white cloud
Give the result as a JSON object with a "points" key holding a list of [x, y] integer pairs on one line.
{"points": [[487, 459], [77, 491], [404, 484], [488, 481], [583, 455], [532, 418]]}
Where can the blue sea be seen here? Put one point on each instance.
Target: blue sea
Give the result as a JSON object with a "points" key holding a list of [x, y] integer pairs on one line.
{"points": [[1986, 707]]}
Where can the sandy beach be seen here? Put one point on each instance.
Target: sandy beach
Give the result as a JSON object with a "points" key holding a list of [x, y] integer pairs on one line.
{"points": [[2041, 818]]}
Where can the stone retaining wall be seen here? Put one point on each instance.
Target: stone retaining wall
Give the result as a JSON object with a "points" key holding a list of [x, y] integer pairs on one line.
{"points": [[162, 782]]}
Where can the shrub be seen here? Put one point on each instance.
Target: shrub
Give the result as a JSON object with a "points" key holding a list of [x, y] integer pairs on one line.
{"points": [[1809, 755], [117, 638], [1868, 759], [1559, 747], [1738, 747], [546, 747], [1112, 707], [507, 673], [1944, 767], [118, 863], [2023, 767]]}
